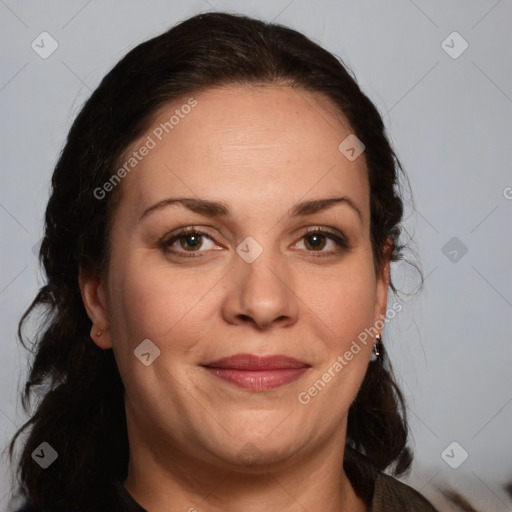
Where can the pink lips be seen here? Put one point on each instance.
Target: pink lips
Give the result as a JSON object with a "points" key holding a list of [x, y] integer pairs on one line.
{"points": [[257, 373]]}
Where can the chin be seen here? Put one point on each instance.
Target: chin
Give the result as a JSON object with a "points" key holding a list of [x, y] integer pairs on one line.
{"points": [[253, 453], [254, 457]]}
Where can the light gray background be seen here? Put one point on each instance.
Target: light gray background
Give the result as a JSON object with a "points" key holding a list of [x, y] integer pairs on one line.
{"points": [[450, 121]]}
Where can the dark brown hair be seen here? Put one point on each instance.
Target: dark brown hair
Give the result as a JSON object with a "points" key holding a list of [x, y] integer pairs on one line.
{"points": [[80, 408]]}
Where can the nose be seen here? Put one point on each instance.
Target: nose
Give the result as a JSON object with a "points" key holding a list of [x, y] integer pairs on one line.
{"points": [[261, 293]]}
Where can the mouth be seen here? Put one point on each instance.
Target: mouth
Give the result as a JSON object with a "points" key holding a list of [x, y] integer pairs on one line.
{"points": [[257, 373]]}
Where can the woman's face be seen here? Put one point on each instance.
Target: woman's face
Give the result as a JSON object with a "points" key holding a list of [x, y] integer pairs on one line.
{"points": [[248, 171]]}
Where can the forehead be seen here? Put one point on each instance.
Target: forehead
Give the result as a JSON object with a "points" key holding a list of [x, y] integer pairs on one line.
{"points": [[264, 145]]}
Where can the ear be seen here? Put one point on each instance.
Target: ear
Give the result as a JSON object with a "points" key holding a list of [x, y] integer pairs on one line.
{"points": [[383, 279], [93, 294]]}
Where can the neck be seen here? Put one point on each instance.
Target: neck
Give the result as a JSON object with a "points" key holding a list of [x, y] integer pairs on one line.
{"points": [[176, 482]]}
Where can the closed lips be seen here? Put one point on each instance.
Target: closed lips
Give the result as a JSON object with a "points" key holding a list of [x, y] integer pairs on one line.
{"points": [[253, 362]]}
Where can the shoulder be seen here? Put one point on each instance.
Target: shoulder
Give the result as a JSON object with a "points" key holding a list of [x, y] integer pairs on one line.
{"points": [[382, 492], [112, 498], [391, 495]]}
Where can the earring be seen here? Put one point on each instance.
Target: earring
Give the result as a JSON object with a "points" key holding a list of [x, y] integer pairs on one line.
{"points": [[98, 333], [377, 348]]}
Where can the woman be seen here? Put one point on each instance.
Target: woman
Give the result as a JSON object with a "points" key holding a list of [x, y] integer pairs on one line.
{"points": [[218, 244]]}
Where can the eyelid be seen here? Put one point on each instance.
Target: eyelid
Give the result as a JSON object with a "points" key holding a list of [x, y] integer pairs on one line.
{"points": [[327, 231]]}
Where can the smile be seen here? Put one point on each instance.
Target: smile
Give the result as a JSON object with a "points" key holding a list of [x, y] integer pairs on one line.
{"points": [[257, 373]]}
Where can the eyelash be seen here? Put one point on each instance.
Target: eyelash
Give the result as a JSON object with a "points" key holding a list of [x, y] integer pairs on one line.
{"points": [[339, 240]]}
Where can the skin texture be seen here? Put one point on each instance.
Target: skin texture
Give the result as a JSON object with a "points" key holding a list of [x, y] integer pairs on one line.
{"points": [[196, 441]]}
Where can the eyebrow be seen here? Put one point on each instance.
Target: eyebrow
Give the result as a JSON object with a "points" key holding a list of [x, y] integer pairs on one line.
{"points": [[221, 209]]}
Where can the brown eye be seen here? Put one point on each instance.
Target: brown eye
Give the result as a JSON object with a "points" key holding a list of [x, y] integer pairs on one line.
{"points": [[191, 242], [324, 242], [315, 241]]}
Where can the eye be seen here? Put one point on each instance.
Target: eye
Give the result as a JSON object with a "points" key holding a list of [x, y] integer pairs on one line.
{"points": [[316, 240], [192, 242], [188, 240]]}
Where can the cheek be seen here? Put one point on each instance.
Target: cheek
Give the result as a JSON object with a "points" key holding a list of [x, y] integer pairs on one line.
{"points": [[343, 302], [345, 307], [152, 302]]}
